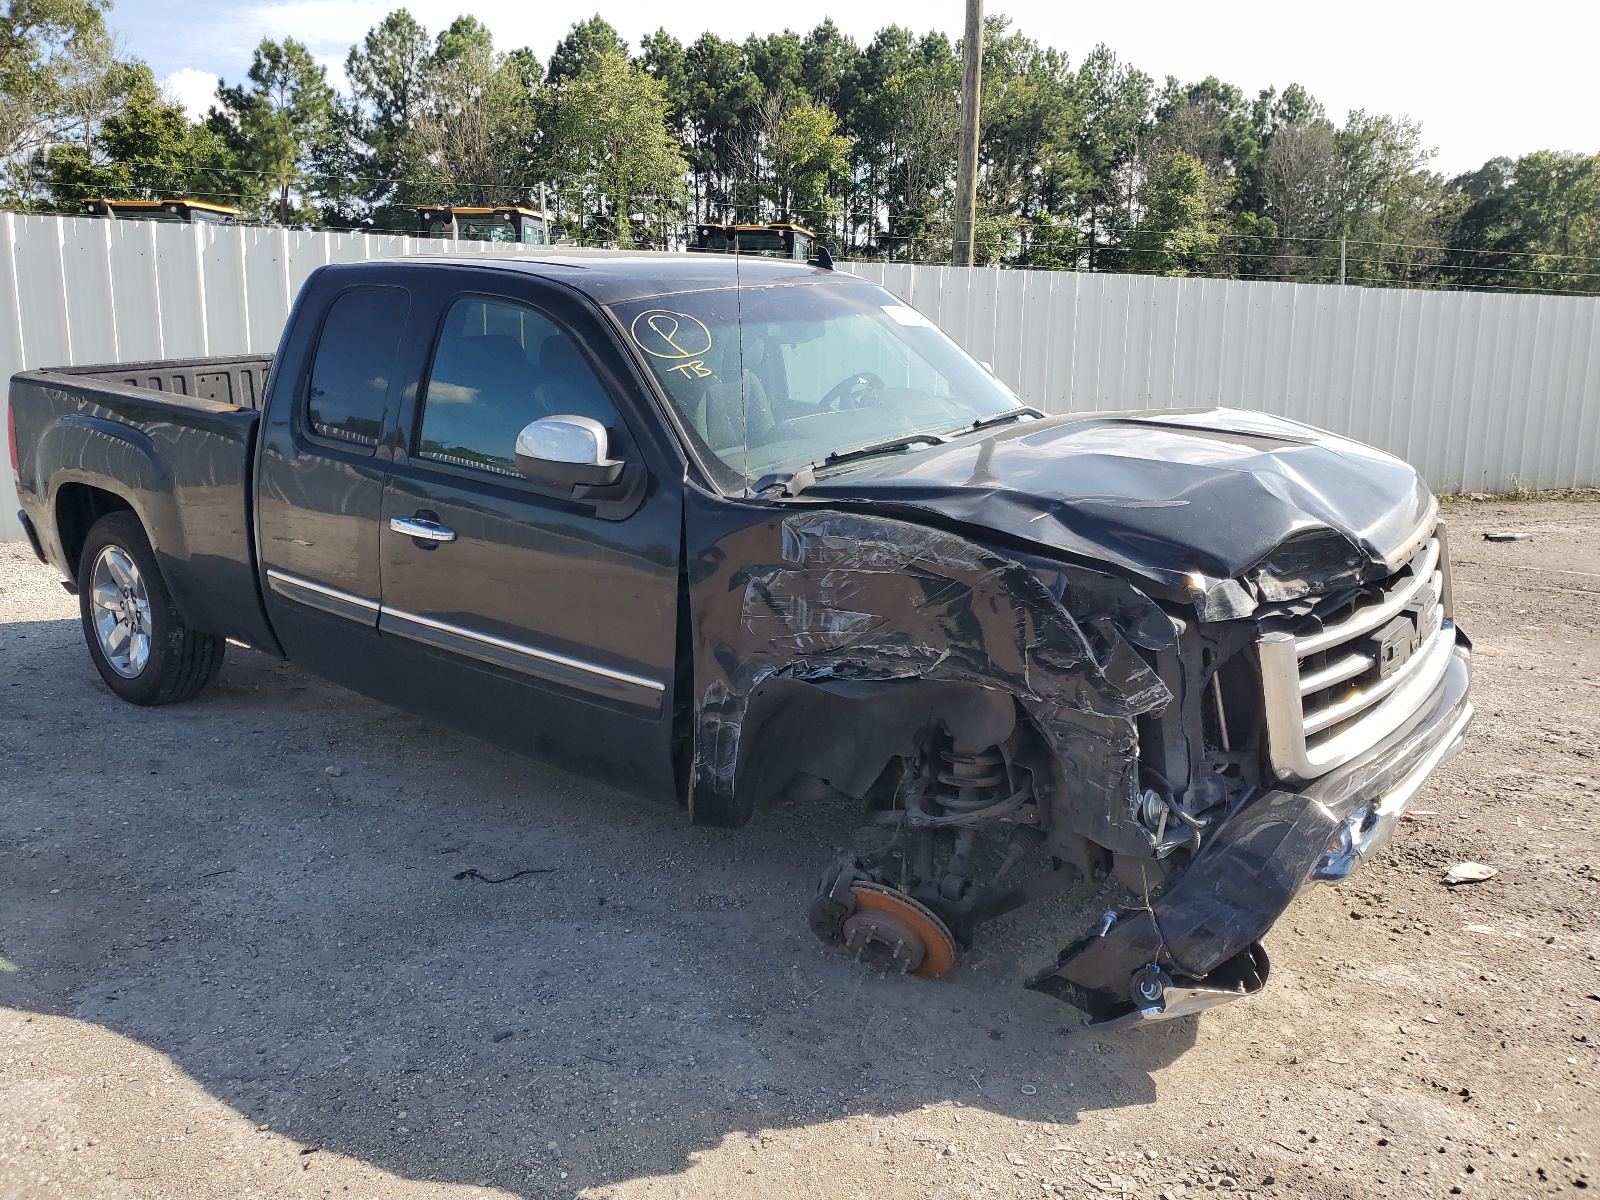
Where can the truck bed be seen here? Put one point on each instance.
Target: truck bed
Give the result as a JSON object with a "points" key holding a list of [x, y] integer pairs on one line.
{"points": [[239, 379], [173, 440]]}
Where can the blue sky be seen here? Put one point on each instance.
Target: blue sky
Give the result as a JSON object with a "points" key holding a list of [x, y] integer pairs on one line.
{"points": [[1483, 79]]}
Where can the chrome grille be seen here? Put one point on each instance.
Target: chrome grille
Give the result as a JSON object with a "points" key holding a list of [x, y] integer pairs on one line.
{"points": [[1332, 695]]}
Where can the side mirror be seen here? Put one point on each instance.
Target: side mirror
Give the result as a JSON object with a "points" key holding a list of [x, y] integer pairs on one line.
{"points": [[566, 452]]}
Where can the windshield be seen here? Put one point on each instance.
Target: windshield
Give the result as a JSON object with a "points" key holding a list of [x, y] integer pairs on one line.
{"points": [[812, 369], [142, 213], [485, 229]]}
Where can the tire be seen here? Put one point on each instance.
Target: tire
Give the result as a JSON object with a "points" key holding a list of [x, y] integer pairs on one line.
{"points": [[139, 643]]}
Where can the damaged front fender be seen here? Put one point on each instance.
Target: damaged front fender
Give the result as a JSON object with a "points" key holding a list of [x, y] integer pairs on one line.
{"points": [[838, 599]]}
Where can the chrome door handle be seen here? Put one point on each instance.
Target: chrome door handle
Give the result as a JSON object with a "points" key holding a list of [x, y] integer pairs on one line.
{"points": [[421, 527]]}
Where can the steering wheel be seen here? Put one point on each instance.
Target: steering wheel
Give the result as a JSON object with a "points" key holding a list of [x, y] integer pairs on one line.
{"points": [[850, 390]]}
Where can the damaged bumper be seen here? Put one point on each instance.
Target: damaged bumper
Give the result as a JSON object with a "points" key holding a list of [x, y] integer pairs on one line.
{"points": [[1197, 944]]}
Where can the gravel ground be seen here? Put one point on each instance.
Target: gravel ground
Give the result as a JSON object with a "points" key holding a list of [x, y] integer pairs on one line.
{"points": [[241, 958]]}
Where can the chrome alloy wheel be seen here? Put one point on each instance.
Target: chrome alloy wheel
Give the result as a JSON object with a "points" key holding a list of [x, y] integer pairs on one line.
{"points": [[121, 609]]}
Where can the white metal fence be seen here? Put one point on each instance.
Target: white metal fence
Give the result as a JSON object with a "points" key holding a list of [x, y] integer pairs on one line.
{"points": [[1478, 391], [1481, 392]]}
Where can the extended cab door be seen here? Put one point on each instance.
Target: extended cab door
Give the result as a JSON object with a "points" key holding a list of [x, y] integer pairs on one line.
{"points": [[320, 471], [543, 623]]}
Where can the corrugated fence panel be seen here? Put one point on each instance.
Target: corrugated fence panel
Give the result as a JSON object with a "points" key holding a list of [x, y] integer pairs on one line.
{"points": [[179, 266], [1481, 392], [41, 289], [136, 289], [227, 296], [87, 287], [266, 274]]}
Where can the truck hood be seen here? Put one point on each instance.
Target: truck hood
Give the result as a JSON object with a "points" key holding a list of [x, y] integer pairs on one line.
{"points": [[1187, 499]]}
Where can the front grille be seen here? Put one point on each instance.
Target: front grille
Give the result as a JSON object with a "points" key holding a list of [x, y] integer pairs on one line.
{"points": [[1334, 693]]}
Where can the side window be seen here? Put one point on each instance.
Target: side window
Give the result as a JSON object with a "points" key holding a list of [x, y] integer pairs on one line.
{"points": [[357, 358], [497, 367]]}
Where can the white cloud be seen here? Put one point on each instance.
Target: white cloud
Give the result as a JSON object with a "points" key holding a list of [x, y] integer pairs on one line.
{"points": [[193, 88]]}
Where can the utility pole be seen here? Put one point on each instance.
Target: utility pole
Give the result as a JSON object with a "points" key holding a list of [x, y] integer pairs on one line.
{"points": [[967, 163]]}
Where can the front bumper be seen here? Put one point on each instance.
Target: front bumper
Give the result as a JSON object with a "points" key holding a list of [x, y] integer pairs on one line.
{"points": [[1196, 945]]}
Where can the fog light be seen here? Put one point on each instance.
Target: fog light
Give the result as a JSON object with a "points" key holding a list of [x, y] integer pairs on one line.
{"points": [[1341, 856]]}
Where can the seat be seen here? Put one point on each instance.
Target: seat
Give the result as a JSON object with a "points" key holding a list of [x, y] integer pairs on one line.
{"points": [[567, 384], [731, 409]]}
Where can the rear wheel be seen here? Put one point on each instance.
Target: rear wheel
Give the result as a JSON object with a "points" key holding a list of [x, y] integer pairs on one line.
{"points": [[139, 642]]}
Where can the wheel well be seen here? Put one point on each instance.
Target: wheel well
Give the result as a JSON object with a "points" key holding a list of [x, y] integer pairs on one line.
{"points": [[78, 507], [846, 732]]}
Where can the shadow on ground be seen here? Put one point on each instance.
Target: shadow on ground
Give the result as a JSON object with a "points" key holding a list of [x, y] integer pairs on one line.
{"points": [[270, 886]]}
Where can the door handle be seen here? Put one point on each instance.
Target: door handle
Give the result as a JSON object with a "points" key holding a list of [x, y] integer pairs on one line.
{"points": [[421, 527]]}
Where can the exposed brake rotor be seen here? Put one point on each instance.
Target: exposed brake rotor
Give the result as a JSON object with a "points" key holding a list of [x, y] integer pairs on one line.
{"points": [[889, 931]]}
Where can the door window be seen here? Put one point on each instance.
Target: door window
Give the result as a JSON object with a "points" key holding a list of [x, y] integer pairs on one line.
{"points": [[358, 355], [499, 366]]}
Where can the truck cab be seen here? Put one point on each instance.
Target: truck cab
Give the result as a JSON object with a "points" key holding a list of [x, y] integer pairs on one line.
{"points": [[502, 223], [780, 239], [177, 211]]}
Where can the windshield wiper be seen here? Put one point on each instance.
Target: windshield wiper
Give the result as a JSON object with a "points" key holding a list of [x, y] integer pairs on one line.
{"points": [[792, 483], [1010, 414], [887, 446]]}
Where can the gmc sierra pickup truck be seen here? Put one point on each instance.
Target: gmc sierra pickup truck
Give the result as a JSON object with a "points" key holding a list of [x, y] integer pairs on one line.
{"points": [[728, 531]]}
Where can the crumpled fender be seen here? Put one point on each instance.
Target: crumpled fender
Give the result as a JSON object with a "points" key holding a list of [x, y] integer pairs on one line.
{"points": [[821, 594]]}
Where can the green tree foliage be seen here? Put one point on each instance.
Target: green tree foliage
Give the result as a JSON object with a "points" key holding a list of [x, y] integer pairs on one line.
{"points": [[60, 76], [582, 49], [724, 97], [1174, 235], [1532, 223], [471, 139], [1088, 164], [148, 150], [282, 126], [796, 157], [616, 164], [41, 43], [387, 73]]}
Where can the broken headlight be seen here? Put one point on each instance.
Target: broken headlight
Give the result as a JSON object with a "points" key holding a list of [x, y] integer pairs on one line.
{"points": [[1307, 566]]}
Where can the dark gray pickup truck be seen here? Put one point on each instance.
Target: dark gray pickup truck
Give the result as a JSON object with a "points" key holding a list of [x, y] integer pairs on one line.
{"points": [[728, 531]]}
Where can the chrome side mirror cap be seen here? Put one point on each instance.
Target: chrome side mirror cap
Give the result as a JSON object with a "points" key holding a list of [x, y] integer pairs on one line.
{"points": [[567, 451]]}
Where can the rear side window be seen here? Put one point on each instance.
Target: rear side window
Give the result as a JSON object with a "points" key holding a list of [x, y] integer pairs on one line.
{"points": [[358, 356], [499, 366]]}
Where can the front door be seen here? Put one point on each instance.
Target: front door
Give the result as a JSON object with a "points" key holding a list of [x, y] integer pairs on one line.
{"points": [[544, 624]]}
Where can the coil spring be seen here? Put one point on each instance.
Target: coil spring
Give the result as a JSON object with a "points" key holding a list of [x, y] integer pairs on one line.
{"points": [[971, 774]]}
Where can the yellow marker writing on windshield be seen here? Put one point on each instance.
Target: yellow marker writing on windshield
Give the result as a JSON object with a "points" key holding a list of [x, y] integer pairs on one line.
{"points": [[693, 370], [662, 333]]}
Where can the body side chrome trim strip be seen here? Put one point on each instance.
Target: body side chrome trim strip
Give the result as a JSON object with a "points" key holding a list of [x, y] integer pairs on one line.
{"points": [[322, 597], [498, 651], [518, 652]]}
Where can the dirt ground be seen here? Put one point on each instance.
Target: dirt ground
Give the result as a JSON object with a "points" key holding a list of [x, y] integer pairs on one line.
{"points": [[239, 956]]}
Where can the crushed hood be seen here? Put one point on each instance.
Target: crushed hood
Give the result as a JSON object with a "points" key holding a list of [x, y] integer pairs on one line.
{"points": [[1168, 495]]}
